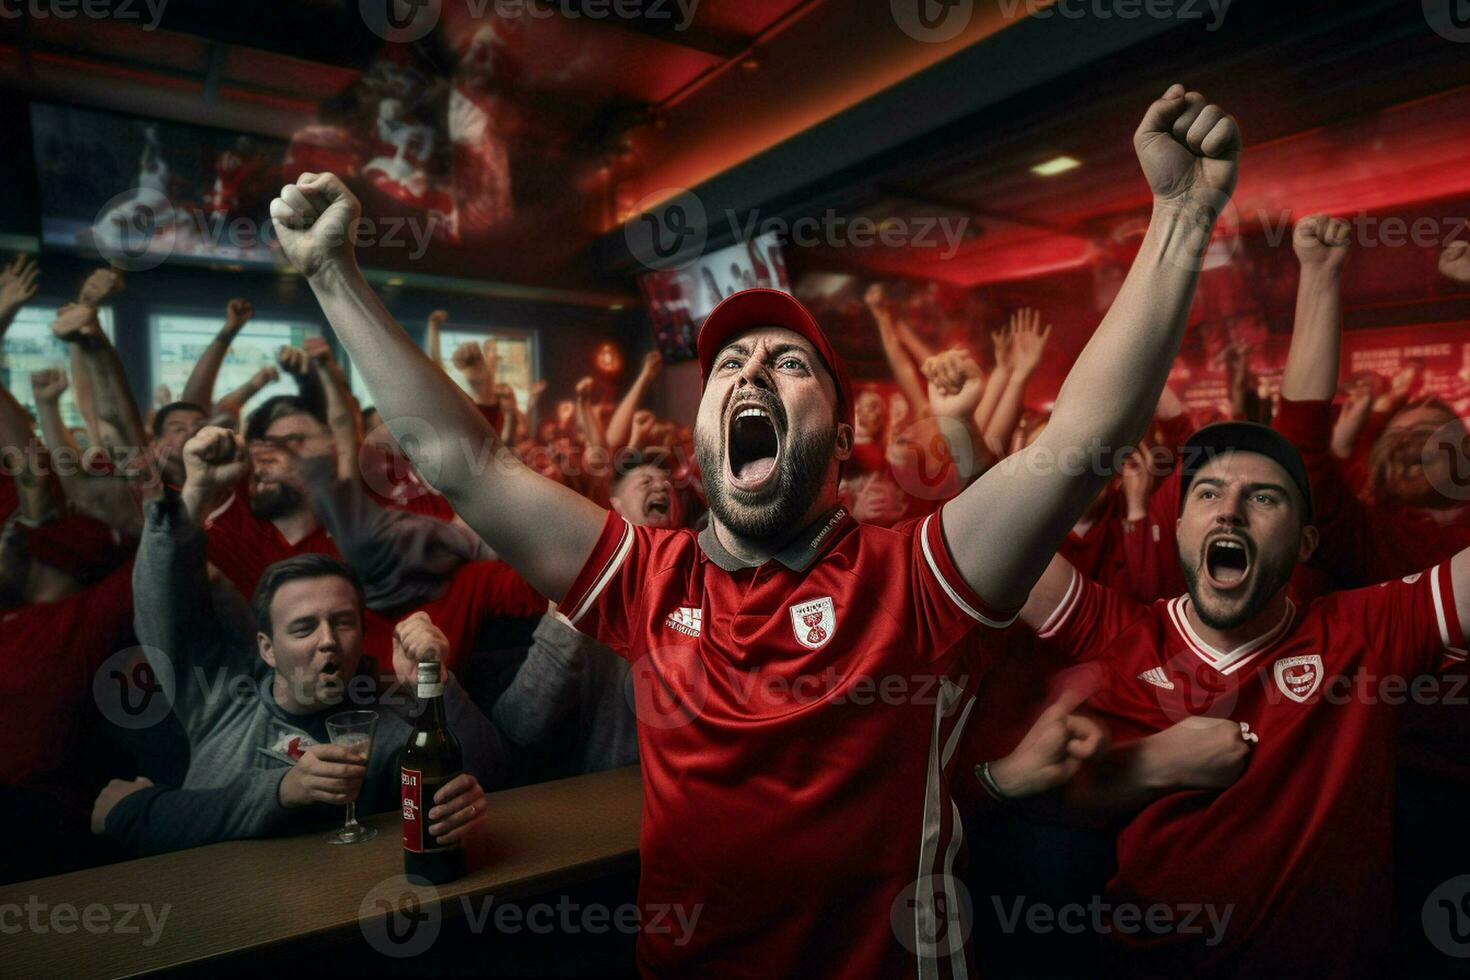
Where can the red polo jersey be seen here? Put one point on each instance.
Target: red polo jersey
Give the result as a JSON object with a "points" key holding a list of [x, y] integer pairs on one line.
{"points": [[1297, 852], [242, 546], [796, 729]]}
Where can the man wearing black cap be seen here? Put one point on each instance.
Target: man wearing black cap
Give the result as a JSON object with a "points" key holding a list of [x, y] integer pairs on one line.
{"points": [[1288, 868], [796, 724]]}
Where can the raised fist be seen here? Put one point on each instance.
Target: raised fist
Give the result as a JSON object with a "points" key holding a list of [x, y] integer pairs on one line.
{"points": [[414, 639], [467, 356], [1454, 262], [48, 384], [1190, 151], [293, 360], [18, 283], [76, 323], [317, 351], [101, 284], [955, 383], [584, 389], [316, 222], [643, 424], [265, 376], [438, 318], [1322, 242], [876, 298], [214, 460], [653, 363], [238, 313]]}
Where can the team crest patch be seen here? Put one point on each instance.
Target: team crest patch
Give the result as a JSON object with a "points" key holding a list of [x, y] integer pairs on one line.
{"points": [[814, 622], [1299, 677]]}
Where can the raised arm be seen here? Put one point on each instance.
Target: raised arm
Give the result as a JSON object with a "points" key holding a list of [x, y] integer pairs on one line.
{"points": [[47, 386], [76, 324], [620, 427], [17, 287], [343, 416], [541, 528], [234, 402], [435, 344], [587, 419], [199, 389], [904, 371], [1003, 530], [1027, 345], [1321, 244]]}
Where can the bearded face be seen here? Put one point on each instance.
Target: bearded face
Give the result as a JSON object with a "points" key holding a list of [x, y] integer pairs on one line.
{"points": [[767, 440]]}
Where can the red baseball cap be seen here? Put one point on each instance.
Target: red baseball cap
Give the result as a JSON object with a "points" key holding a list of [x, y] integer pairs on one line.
{"points": [[751, 308]]}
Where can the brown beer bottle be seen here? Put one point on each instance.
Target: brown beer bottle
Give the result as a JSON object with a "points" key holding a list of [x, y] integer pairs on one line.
{"points": [[430, 758]]}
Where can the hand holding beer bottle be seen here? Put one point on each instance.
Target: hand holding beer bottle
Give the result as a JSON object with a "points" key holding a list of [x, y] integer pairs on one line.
{"points": [[441, 804]]}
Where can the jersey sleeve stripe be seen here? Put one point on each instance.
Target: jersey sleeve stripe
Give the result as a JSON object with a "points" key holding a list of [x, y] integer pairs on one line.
{"points": [[1063, 612], [1442, 585], [605, 574], [932, 541]]}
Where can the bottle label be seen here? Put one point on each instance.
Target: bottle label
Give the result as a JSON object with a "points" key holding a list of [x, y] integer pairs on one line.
{"points": [[418, 800], [427, 691]]}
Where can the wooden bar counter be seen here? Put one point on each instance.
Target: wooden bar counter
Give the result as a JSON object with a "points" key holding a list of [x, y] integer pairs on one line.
{"points": [[232, 898]]}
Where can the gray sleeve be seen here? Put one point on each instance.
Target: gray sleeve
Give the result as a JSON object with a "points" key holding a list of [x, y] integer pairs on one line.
{"points": [[174, 614], [403, 559], [483, 750], [161, 819], [546, 687]]}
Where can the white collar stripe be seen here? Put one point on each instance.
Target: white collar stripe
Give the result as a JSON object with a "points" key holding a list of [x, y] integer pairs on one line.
{"points": [[1223, 661]]}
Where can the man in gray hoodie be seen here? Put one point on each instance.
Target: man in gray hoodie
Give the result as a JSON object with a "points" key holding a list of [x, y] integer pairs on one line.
{"points": [[253, 689]]}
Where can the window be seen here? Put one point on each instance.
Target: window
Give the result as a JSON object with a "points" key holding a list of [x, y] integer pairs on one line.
{"points": [[515, 349], [30, 346], [179, 341]]}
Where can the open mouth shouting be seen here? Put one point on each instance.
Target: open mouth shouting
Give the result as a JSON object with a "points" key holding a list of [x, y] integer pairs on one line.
{"points": [[1227, 562], [753, 443], [657, 505]]}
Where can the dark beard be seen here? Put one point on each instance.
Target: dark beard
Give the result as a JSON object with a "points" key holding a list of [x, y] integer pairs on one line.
{"points": [[800, 476], [275, 501], [1268, 581]]}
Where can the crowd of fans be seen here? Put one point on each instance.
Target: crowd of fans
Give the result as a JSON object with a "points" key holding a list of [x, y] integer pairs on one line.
{"points": [[269, 566]]}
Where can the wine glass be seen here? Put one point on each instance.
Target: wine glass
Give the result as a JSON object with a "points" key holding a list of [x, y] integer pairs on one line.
{"points": [[355, 729]]}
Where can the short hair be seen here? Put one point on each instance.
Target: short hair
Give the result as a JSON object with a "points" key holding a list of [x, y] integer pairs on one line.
{"points": [[310, 565], [161, 416], [275, 408], [626, 463]]}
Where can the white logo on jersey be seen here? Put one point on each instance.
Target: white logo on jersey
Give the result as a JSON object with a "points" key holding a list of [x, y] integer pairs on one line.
{"points": [[1157, 678], [814, 622], [1299, 677], [1411, 579], [685, 620]]}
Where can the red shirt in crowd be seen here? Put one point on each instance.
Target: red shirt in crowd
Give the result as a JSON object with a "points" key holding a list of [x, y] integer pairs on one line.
{"points": [[1297, 851], [50, 653], [242, 546], [796, 729]]}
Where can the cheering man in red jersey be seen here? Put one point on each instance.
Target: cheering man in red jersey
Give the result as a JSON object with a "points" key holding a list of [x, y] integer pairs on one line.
{"points": [[794, 748], [1287, 870]]}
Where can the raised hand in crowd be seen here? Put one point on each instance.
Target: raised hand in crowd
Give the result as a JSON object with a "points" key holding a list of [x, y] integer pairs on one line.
{"points": [[620, 427], [1138, 485], [1454, 262], [435, 343], [1023, 348], [18, 284], [99, 286], [215, 461], [199, 389], [900, 361]]}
